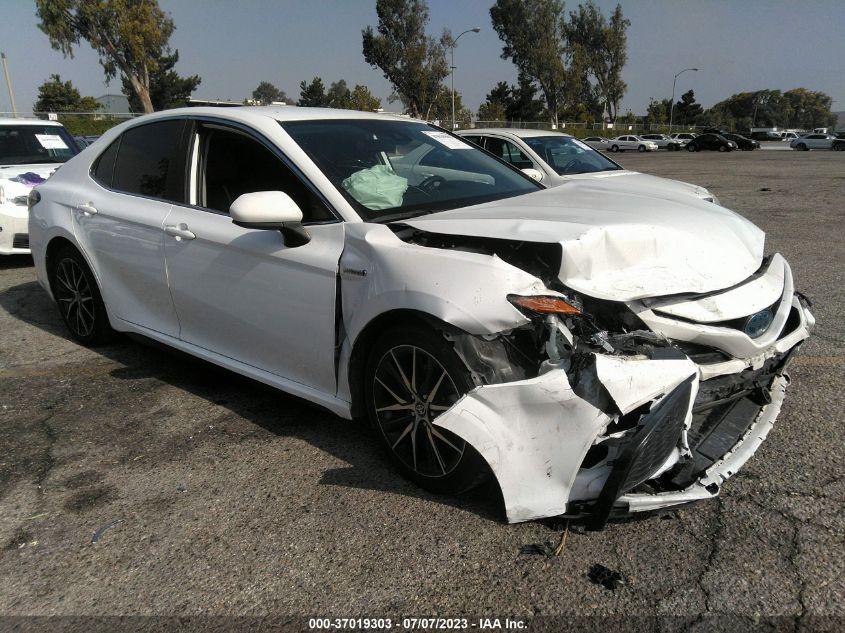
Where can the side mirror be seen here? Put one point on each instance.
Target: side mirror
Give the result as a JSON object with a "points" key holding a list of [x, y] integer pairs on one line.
{"points": [[270, 210], [535, 174]]}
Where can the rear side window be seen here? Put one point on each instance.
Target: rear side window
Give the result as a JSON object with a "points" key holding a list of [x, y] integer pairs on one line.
{"points": [[151, 162], [508, 152], [475, 139], [103, 170]]}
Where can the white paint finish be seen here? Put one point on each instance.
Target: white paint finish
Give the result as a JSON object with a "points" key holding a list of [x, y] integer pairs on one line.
{"points": [[733, 341], [125, 243], [533, 434], [620, 245], [243, 294], [759, 293], [633, 381], [265, 207]]}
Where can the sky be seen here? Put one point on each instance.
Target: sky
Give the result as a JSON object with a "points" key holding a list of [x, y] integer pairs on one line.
{"points": [[738, 45]]}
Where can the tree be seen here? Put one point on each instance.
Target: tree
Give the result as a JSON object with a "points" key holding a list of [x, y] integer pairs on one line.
{"points": [[687, 110], [441, 108], [128, 35], [533, 32], [339, 95], [313, 95], [604, 44], [266, 93], [658, 111], [412, 61], [167, 88], [495, 108], [524, 104], [55, 95], [362, 99]]}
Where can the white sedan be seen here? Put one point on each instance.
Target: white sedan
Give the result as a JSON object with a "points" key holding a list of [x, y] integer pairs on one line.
{"points": [[817, 141], [555, 159], [597, 142], [596, 352], [30, 150], [664, 141], [631, 142]]}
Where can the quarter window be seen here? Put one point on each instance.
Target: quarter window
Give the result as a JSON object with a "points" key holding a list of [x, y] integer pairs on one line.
{"points": [[104, 166], [150, 161], [234, 164]]}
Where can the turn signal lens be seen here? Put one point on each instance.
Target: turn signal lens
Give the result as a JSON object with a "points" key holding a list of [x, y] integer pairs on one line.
{"points": [[544, 305]]}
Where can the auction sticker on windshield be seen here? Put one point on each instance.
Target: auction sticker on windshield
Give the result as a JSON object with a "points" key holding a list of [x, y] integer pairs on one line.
{"points": [[449, 141], [51, 141]]}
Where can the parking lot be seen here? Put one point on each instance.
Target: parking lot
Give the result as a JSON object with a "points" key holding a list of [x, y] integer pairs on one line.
{"points": [[136, 481]]}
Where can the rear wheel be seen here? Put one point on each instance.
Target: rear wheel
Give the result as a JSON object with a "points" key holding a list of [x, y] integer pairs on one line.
{"points": [[78, 298], [412, 376]]}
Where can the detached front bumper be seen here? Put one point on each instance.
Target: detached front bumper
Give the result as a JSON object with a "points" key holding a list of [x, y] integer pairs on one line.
{"points": [[621, 434]]}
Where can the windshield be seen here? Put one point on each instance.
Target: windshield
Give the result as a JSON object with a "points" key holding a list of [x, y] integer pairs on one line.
{"points": [[568, 155], [395, 169], [28, 144]]}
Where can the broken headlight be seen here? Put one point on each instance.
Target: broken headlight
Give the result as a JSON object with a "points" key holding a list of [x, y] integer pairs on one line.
{"points": [[545, 304]]}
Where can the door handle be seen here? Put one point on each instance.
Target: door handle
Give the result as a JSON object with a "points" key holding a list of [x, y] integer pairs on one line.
{"points": [[87, 208], [179, 231]]}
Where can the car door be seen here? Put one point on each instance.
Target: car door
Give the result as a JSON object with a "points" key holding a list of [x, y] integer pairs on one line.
{"points": [[243, 293], [119, 220]]}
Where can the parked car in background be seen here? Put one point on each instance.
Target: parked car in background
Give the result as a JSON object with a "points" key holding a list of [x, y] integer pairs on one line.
{"points": [[30, 151], [559, 158], [715, 142], [597, 142], [817, 141], [631, 142], [683, 136], [788, 136], [570, 342], [664, 141], [743, 143], [765, 136]]}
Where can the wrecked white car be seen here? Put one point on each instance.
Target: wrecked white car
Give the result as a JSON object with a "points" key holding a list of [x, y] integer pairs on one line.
{"points": [[597, 352]]}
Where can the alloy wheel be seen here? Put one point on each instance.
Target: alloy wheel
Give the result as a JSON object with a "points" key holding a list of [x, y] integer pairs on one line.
{"points": [[75, 298], [410, 389]]}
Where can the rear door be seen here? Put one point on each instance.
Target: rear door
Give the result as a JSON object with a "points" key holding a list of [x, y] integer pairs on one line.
{"points": [[243, 293], [119, 222]]}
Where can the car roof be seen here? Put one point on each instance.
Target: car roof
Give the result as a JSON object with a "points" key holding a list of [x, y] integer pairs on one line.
{"points": [[517, 132], [278, 113], [12, 121]]}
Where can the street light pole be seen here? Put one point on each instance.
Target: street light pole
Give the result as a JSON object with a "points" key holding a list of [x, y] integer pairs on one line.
{"points": [[9, 85], [672, 106], [452, 68]]}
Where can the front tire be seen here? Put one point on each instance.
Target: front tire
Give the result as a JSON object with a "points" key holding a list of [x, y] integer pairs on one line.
{"points": [[641, 148], [614, 148], [78, 298], [722, 148], [691, 148], [412, 375], [801, 147]]}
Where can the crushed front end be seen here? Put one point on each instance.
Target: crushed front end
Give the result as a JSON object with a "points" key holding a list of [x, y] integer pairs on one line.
{"points": [[633, 406]]}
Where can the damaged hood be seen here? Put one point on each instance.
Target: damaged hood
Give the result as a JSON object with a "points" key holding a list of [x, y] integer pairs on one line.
{"points": [[619, 244]]}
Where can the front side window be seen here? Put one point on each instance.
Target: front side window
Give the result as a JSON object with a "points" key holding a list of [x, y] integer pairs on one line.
{"points": [[150, 161], [233, 164], [508, 152], [33, 144], [568, 155], [385, 171]]}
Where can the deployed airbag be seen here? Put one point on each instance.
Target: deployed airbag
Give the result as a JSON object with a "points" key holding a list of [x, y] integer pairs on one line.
{"points": [[377, 187]]}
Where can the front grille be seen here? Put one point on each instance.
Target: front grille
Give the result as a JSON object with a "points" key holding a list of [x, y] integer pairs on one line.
{"points": [[651, 444], [20, 240]]}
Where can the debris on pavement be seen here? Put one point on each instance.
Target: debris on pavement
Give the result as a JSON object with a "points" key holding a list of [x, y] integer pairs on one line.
{"points": [[562, 543], [546, 549], [606, 577], [99, 532]]}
